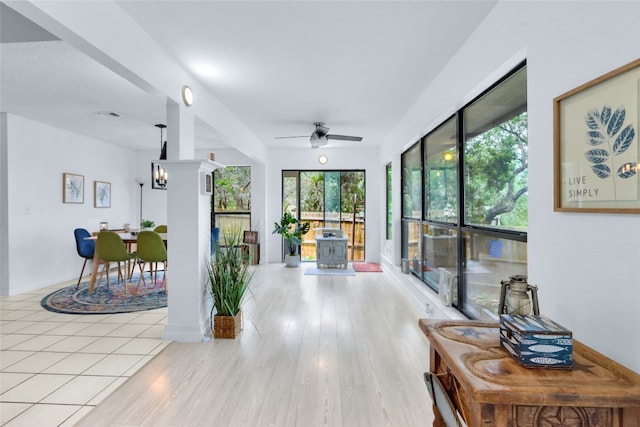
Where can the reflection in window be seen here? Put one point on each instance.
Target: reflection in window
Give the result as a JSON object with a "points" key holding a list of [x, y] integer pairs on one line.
{"points": [[412, 250], [439, 251], [488, 261], [441, 173], [412, 183]]}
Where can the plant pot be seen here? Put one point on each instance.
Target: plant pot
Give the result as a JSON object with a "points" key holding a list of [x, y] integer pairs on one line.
{"points": [[227, 326], [292, 260]]}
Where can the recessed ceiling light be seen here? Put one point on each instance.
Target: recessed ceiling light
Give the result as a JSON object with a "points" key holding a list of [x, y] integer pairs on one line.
{"points": [[323, 159]]}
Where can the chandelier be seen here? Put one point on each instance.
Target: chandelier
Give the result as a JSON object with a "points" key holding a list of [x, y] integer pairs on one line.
{"points": [[159, 174]]}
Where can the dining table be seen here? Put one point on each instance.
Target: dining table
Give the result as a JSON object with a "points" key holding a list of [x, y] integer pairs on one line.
{"points": [[128, 238]]}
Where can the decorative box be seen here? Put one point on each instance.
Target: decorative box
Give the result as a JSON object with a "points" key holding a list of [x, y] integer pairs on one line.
{"points": [[536, 341]]}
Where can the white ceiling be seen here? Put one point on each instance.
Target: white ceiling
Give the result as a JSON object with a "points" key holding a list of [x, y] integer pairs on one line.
{"points": [[357, 66]]}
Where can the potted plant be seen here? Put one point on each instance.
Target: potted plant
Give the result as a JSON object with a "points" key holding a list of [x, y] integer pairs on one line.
{"points": [[228, 276], [147, 224], [292, 230]]}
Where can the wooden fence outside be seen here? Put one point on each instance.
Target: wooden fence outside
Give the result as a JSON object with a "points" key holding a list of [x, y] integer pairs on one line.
{"points": [[355, 232]]}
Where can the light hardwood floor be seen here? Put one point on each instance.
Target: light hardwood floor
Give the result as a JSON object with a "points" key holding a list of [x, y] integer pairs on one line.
{"points": [[315, 351]]}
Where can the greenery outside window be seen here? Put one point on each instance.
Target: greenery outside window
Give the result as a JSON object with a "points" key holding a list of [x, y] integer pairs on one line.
{"points": [[231, 198], [496, 156], [467, 225], [412, 182], [441, 173], [327, 199]]}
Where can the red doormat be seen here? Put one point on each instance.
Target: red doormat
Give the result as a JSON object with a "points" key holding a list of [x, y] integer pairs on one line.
{"points": [[366, 267]]}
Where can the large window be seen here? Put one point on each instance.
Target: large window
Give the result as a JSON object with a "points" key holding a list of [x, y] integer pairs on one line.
{"points": [[464, 198], [441, 173], [496, 156], [232, 198], [412, 182]]}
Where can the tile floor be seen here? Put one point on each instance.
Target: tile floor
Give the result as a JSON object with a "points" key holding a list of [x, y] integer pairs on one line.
{"points": [[54, 368]]}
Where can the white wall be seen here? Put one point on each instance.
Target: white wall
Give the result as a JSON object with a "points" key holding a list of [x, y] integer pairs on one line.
{"points": [[4, 224], [41, 245], [339, 159], [586, 265]]}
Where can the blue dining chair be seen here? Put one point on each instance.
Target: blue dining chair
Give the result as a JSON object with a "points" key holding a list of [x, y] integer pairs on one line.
{"points": [[85, 248], [215, 239]]}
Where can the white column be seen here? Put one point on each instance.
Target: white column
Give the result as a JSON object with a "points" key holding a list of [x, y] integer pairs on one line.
{"points": [[189, 234], [180, 132], [4, 206]]}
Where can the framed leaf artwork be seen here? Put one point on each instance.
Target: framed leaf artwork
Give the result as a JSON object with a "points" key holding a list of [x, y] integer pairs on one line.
{"points": [[596, 150], [101, 194], [72, 188]]}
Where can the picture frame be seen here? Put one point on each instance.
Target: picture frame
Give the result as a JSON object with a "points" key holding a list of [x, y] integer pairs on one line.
{"points": [[206, 183], [101, 194], [596, 144], [72, 188], [250, 237]]}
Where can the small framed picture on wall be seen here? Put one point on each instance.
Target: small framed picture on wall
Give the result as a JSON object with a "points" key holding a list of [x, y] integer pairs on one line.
{"points": [[72, 188], [101, 194]]}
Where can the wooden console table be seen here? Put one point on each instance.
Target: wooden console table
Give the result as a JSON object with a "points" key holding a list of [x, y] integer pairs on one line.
{"points": [[490, 388]]}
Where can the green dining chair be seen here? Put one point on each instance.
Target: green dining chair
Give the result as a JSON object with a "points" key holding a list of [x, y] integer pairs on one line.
{"points": [[160, 229], [152, 250], [110, 248]]}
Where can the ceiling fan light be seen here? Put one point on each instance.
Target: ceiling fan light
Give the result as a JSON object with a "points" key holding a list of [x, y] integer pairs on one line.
{"points": [[318, 141]]}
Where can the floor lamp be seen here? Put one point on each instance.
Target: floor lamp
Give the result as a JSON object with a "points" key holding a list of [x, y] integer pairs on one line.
{"points": [[141, 183]]}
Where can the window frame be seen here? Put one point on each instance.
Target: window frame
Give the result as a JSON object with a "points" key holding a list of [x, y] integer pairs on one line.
{"points": [[458, 226], [238, 213]]}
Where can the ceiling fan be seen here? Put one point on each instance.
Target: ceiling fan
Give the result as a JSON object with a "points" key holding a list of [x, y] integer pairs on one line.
{"points": [[321, 135]]}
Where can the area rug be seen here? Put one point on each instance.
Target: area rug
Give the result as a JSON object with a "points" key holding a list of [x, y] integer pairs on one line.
{"points": [[366, 267], [330, 272], [107, 301]]}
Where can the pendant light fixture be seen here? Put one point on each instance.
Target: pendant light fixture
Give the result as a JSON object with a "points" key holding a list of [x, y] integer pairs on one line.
{"points": [[159, 174]]}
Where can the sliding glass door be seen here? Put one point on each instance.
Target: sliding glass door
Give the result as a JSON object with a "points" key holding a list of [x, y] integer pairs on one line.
{"points": [[327, 199]]}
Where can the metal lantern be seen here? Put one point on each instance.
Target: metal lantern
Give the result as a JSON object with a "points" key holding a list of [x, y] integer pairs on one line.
{"points": [[515, 299]]}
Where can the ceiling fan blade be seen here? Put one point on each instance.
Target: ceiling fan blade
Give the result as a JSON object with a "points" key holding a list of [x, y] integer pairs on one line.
{"points": [[345, 138], [286, 137]]}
